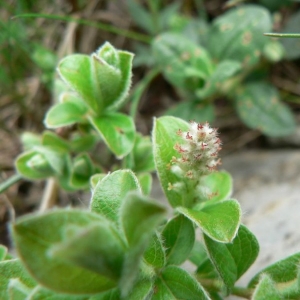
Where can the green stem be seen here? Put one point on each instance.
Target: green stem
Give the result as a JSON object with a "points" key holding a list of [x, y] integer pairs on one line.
{"points": [[107, 27], [9, 182], [283, 35], [139, 90], [216, 286]]}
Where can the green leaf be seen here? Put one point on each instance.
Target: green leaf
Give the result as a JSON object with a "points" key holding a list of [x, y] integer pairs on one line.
{"points": [[94, 180], [143, 154], [283, 271], [232, 260], [51, 140], [155, 253], [34, 236], [147, 215], [81, 143], [30, 140], [64, 114], [97, 248], [12, 269], [83, 169], [244, 250], [141, 290], [259, 106], [291, 46], [112, 73], [189, 110], [17, 290], [164, 140], [176, 283], [141, 16], [40, 293], [110, 193], [184, 64], [76, 71], [117, 131], [3, 252], [223, 262], [224, 70], [266, 290], [179, 238], [218, 185], [110, 295], [33, 165], [145, 180], [238, 34], [220, 221], [140, 216]]}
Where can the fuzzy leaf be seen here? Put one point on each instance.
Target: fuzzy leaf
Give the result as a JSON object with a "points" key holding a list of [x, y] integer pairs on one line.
{"points": [[82, 143], [238, 34], [179, 238], [232, 260], [64, 114], [220, 221], [266, 290], [3, 252], [155, 253], [34, 165], [176, 283], [145, 180], [142, 154], [97, 248], [117, 131], [51, 140], [184, 63], [40, 293], [34, 236], [83, 169], [164, 140], [218, 185], [13, 269], [140, 216], [259, 106], [147, 215], [141, 290], [110, 192], [283, 271], [224, 70], [17, 290], [76, 71]]}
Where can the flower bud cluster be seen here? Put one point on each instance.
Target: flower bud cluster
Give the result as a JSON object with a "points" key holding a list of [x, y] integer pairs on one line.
{"points": [[199, 151]]}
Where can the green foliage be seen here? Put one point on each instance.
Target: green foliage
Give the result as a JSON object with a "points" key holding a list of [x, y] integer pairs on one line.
{"points": [[126, 246], [259, 106], [219, 63]]}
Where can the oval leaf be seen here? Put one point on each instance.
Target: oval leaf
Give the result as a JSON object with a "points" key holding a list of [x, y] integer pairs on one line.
{"points": [[218, 185], [238, 34], [34, 236], [110, 193], [179, 238], [64, 114], [220, 221], [283, 271], [164, 140], [117, 131], [266, 290], [176, 283], [259, 106]]}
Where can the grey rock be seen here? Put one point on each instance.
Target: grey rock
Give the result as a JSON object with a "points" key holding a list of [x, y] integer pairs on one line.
{"points": [[267, 185]]}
